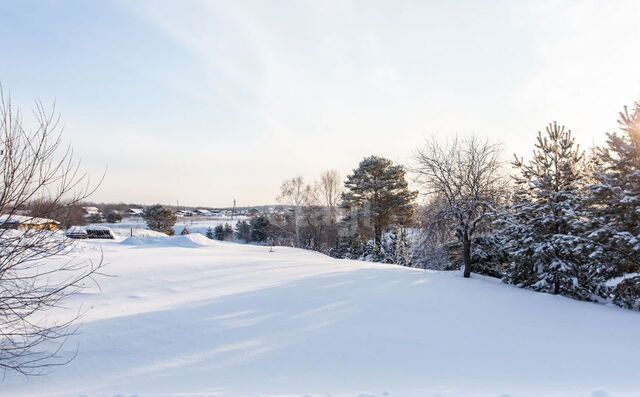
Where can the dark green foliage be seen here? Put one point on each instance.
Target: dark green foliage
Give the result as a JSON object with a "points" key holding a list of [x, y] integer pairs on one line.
{"points": [[489, 256], [347, 246], [210, 234], [185, 231], [376, 198], [223, 232], [543, 225], [243, 231], [228, 232], [218, 232], [260, 229], [160, 219], [614, 203], [627, 293], [572, 229]]}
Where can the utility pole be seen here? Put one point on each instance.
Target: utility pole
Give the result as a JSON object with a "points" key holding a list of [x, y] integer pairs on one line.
{"points": [[233, 212]]}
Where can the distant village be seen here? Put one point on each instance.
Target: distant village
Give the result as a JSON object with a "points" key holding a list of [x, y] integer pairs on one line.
{"points": [[137, 210], [116, 213]]}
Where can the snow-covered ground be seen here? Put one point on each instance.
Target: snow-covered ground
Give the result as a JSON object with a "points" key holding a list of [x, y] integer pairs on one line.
{"points": [[195, 224], [187, 316]]}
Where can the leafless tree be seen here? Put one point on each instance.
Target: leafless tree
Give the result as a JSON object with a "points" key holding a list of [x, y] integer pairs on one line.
{"points": [[328, 191], [465, 175], [295, 194], [36, 275], [68, 214], [321, 216], [436, 232]]}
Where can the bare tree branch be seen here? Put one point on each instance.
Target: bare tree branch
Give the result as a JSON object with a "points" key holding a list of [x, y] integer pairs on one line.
{"points": [[465, 177], [37, 273]]}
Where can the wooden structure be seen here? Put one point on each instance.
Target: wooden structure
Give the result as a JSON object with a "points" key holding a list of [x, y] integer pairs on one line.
{"points": [[24, 223]]}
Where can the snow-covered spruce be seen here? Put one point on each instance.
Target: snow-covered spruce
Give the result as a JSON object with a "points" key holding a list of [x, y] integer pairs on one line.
{"points": [[543, 224], [614, 209]]}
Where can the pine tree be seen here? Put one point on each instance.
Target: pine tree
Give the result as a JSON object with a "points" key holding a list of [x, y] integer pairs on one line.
{"points": [[218, 232], [184, 231], [160, 219], [259, 229], [370, 251], [243, 231], [614, 209], [348, 246], [377, 197], [544, 224], [627, 293], [210, 234], [228, 231]]}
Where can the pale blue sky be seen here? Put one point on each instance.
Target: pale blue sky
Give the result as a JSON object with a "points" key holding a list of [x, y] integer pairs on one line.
{"points": [[207, 101]]}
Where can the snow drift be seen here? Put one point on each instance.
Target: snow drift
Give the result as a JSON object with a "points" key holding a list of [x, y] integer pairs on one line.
{"points": [[185, 316], [193, 240]]}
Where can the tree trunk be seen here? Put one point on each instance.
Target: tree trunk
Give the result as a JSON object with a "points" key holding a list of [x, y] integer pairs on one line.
{"points": [[377, 237], [296, 225], [466, 256]]}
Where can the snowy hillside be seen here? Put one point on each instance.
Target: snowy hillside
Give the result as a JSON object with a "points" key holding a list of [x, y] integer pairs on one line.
{"points": [[190, 316]]}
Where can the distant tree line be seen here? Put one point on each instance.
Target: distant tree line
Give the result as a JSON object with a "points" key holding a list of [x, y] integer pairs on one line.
{"points": [[365, 217]]}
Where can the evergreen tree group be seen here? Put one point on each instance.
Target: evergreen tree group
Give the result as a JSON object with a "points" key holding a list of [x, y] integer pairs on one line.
{"points": [[568, 224], [221, 232], [543, 221], [572, 225], [613, 211]]}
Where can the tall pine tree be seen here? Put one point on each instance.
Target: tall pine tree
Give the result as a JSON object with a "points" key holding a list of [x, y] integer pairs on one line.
{"points": [[377, 196], [544, 226], [614, 209]]}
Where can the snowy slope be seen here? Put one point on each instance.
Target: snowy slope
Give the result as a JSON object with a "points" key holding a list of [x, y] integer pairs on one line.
{"points": [[189, 316]]}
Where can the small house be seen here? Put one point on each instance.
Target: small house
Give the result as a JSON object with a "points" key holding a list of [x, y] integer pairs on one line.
{"points": [[24, 223], [135, 212], [92, 211]]}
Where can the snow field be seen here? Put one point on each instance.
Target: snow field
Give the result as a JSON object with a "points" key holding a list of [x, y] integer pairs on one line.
{"points": [[190, 316]]}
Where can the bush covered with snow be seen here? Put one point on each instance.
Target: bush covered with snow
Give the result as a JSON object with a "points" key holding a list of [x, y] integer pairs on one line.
{"points": [[627, 293]]}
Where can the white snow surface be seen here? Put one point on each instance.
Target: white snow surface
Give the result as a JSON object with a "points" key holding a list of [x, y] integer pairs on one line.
{"points": [[194, 224], [188, 316]]}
